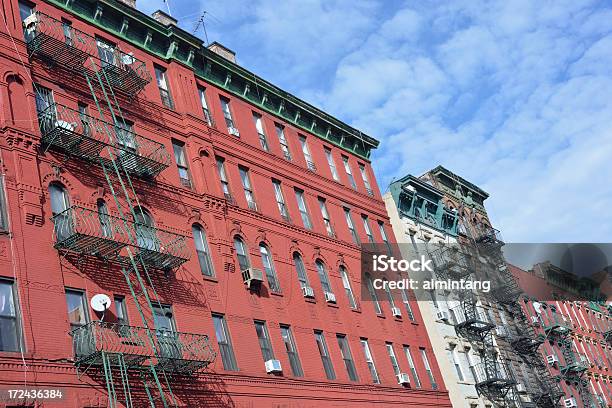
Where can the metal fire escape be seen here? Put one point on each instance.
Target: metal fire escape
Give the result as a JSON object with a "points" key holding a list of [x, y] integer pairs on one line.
{"points": [[482, 258], [574, 367], [123, 355]]}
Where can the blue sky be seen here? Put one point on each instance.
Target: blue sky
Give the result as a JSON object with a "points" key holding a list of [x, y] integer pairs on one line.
{"points": [[515, 96]]}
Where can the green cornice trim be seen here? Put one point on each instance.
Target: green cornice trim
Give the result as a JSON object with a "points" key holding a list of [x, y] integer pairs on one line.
{"points": [[174, 43]]}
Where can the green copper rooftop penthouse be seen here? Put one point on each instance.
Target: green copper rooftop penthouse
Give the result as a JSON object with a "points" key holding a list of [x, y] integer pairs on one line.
{"points": [[175, 352], [92, 233], [458, 187], [81, 135], [423, 203], [171, 43], [60, 44]]}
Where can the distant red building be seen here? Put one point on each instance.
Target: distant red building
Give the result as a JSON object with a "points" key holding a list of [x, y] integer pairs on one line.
{"points": [[220, 215], [576, 335]]}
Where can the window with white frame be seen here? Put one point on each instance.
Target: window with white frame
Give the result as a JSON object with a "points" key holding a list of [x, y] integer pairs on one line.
{"points": [[306, 151], [370, 361], [365, 178], [331, 163], [301, 202], [349, 173], [280, 133]]}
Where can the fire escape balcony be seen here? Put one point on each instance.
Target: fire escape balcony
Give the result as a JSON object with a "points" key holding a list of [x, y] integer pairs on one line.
{"points": [[489, 238], [176, 352], [495, 378], [608, 335], [575, 365], [59, 44], [86, 137], [558, 327], [88, 232], [470, 322], [451, 262]]}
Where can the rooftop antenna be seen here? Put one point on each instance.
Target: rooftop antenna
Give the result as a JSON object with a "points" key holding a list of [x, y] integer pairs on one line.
{"points": [[168, 7], [201, 22]]}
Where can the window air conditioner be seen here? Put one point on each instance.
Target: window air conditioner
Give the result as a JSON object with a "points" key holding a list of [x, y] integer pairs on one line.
{"points": [[552, 359], [330, 297], [252, 277], [233, 131], [308, 292], [403, 378], [396, 312], [273, 366], [442, 315]]}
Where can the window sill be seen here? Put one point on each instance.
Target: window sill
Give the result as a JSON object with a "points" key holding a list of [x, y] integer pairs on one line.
{"points": [[414, 323], [280, 294], [310, 300], [210, 278], [334, 305], [380, 315], [356, 310]]}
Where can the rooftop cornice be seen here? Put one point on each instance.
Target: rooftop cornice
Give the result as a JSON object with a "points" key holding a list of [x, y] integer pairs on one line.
{"points": [[173, 43]]}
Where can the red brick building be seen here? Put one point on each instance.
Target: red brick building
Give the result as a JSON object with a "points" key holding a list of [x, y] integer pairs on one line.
{"points": [[219, 214]]}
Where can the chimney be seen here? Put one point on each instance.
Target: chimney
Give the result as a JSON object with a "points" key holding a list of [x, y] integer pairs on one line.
{"points": [[223, 51], [129, 3], [164, 18]]}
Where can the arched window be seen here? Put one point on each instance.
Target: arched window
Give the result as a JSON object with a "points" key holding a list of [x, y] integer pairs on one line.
{"points": [[145, 230], [268, 264], [104, 218], [322, 271], [301, 270], [372, 291], [202, 249], [62, 221], [347, 287], [241, 253]]}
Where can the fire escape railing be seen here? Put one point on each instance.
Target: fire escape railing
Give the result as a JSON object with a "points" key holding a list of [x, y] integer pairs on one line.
{"points": [[176, 352], [58, 43], [84, 136], [89, 232]]}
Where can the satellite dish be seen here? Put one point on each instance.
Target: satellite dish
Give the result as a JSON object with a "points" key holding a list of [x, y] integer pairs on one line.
{"points": [[100, 302]]}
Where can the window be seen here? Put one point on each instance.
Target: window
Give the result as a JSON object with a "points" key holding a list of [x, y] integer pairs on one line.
{"points": [[162, 84], [383, 235], [106, 52], [121, 311], [248, 189], [3, 210], [125, 136], [104, 219], [393, 358], [263, 140], [345, 350], [432, 380], [366, 227], [349, 174], [351, 226], [268, 264], [453, 357], [25, 10], [299, 196], [280, 200], [324, 353], [202, 249], [280, 132], [227, 114], [347, 287], [62, 222], [389, 294], [163, 319], [67, 29], [85, 118], [415, 375], [146, 235], [225, 343], [77, 309], [223, 178], [241, 253], [366, 180], [370, 361], [309, 163], [322, 271], [181, 163], [332, 164], [9, 324], [326, 220], [45, 106], [300, 269], [294, 360], [372, 292], [204, 104], [264, 340], [406, 300]]}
